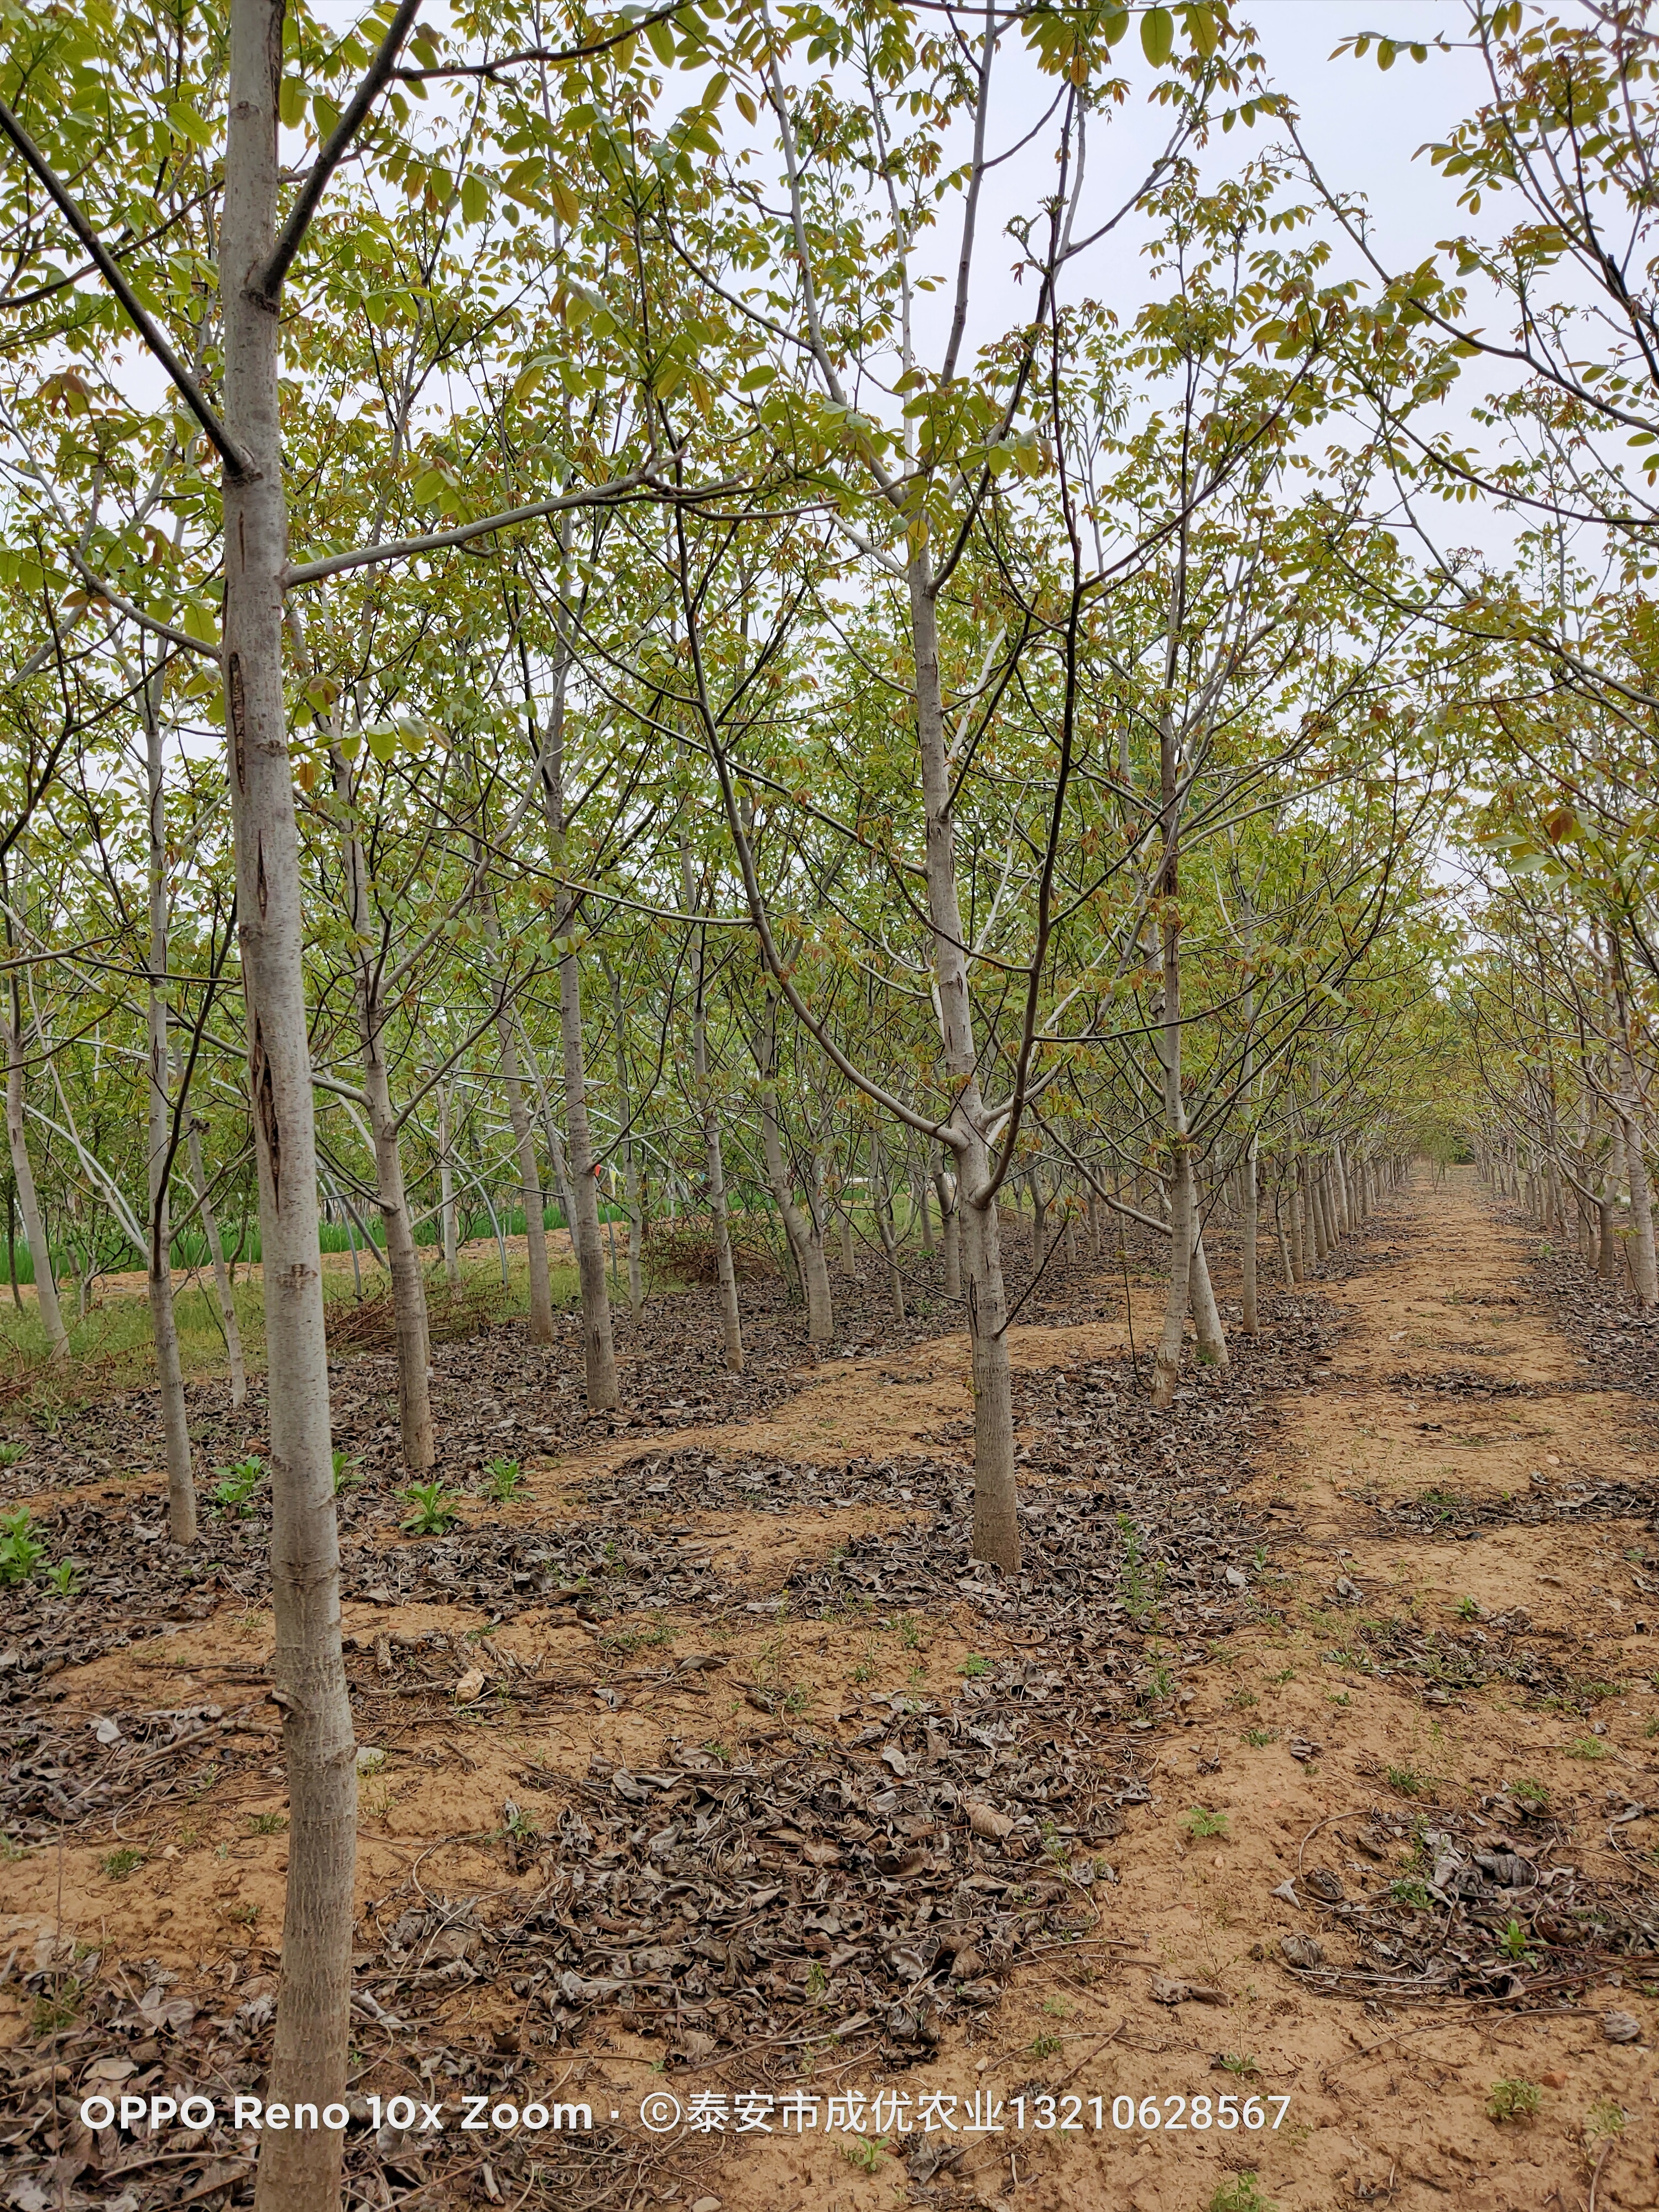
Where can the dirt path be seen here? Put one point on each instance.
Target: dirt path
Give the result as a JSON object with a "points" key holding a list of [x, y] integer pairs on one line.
{"points": [[1445, 1651]]}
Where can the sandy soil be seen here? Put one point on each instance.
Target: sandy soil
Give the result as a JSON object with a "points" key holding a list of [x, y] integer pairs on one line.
{"points": [[1293, 1745]]}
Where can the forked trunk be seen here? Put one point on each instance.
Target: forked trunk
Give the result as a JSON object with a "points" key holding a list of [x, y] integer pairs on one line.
{"points": [[531, 1197], [996, 1498], [299, 2169]]}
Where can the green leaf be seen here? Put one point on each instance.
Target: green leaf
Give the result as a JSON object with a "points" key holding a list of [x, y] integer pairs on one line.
{"points": [[662, 43], [1157, 35], [475, 199], [292, 103]]}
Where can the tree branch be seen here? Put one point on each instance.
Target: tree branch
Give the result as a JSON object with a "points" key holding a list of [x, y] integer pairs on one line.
{"points": [[404, 549], [268, 283], [148, 328]]}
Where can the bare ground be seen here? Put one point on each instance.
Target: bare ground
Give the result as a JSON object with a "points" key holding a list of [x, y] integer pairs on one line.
{"points": [[1309, 1761]]}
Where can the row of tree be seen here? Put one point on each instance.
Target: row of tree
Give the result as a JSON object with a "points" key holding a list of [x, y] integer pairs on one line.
{"points": [[570, 632]]}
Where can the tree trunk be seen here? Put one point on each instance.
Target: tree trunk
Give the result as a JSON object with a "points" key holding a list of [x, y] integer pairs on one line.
{"points": [[162, 1136], [28, 1203], [805, 1242], [885, 1230], [1250, 1212], [1166, 1366], [713, 1159], [403, 1262], [599, 1349], [630, 1166], [1206, 1315], [447, 1191], [222, 1282], [1039, 1218], [1298, 1222], [950, 1229], [299, 2169], [996, 1496]]}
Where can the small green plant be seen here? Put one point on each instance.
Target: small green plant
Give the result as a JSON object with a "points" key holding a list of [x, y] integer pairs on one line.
{"points": [[1651, 1730], [865, 2152], [1241, 2193], [817, 1980], [1513, 1940], [910, 1630], [1243, 1701], [863, 1672], [1257, 1738], [504, 1480], [1046, 2046], [1056, 2008], [720, 1750], [1413, 1893], [234, 1490], [267, 1824], [1241, 2062], [65, 1578], [20, 1550], [348, 1472], [50, 2014], [1338, 1697], [10, 1454], [1407, 1781], [436, 1510], [1201, 1822], [1513, 2098], [1532, 1794], [1604, 2120], [1467, 1610], [1587, 1746], [973, 1666], [118, 1864]]}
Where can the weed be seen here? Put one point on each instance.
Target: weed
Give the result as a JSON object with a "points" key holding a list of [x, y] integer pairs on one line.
{"points": [[65, 1578], [20, 1550], [720, 1750], [628, 1640], [504, 1480], [1243, 2193], [817, 1980], [1046, 2046], [863, 1671], [1532, 1794], [1414, 1894], [795, 1704], [51, 2015], [1605, 2119], [236, 1485], [1200, 1821], [436, 1509], [865, 2152], [1467, 1610], [1513, 1940], [1242, 1701], [1407, 1781], [1256, 1738], [1338, 1697], [1241, 2062], [1651, 1730], [118, 1864], [973, 1666], [10, 1454], [1512, 2099], [910, 1630], [267, 1824], [348, 1472], [1586, 1746], [246, 1914], [1056, 2008], [11, 1852]]}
